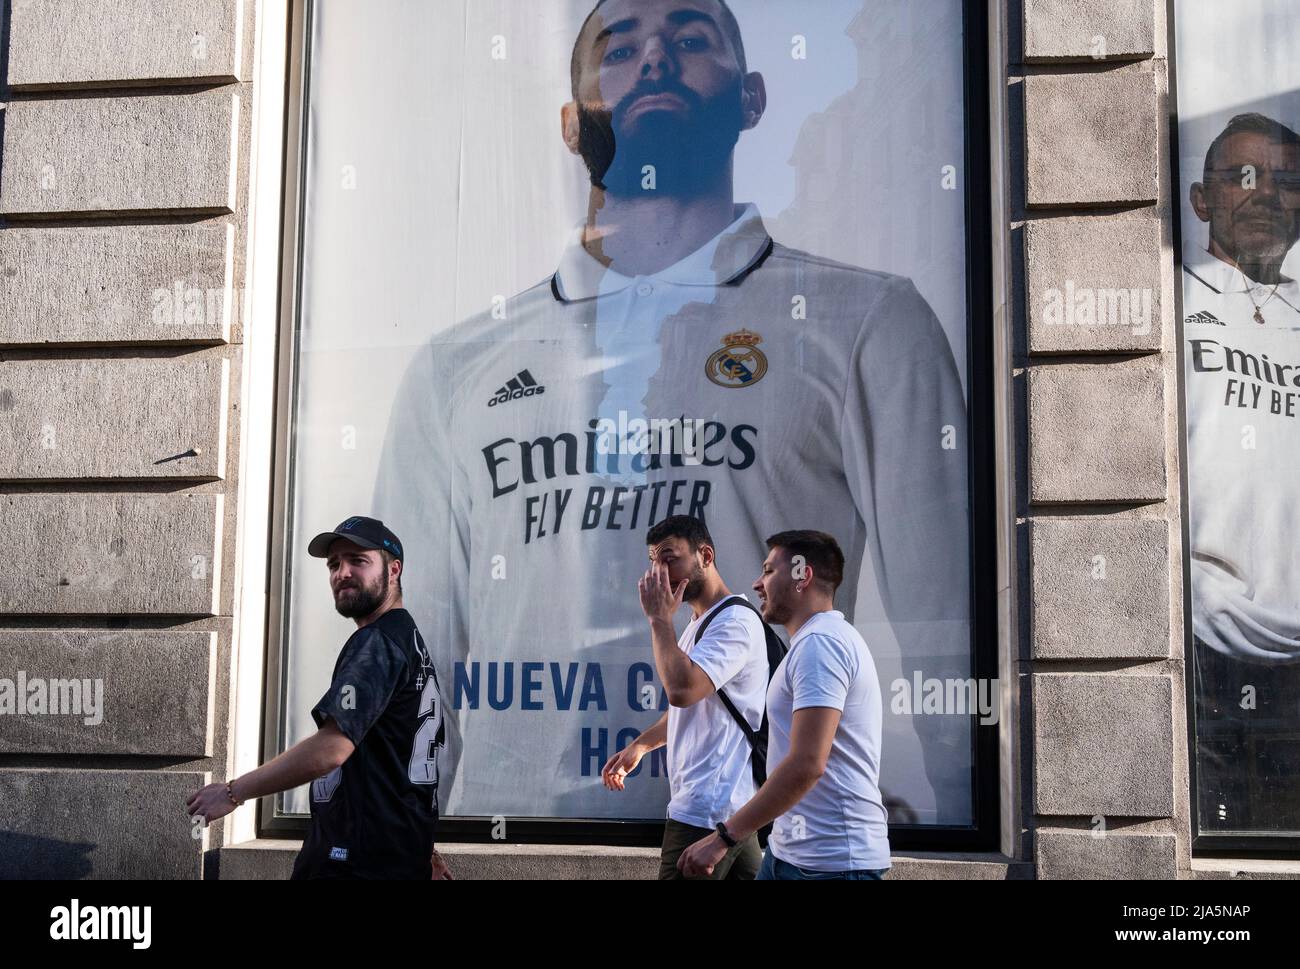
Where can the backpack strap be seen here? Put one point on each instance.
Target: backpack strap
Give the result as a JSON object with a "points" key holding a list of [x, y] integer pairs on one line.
{"points": [[757, 738], [750, 733]]}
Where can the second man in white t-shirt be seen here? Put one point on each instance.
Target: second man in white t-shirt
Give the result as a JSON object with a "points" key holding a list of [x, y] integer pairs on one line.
{"points": [[709, 758], [825, 719]]}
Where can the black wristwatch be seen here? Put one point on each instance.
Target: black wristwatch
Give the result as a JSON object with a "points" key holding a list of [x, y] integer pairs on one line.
{"points": [[725, 835]]}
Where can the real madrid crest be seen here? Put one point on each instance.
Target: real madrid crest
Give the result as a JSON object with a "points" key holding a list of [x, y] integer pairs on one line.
{"points": [[740, 363]]}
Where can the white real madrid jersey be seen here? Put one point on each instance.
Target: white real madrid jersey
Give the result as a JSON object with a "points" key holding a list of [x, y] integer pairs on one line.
{"points": [[1242, 381], [773, 390]]}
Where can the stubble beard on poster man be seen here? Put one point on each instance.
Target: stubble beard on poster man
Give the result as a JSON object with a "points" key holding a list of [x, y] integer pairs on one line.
{"points": [[689, 152]]}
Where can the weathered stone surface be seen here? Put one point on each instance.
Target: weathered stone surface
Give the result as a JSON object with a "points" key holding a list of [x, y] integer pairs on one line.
{"points": [[273, 860], [1100, 588], [1097, 432], [76, 43], [111, 554], [1103, 744], [108, 691], [116, 284], [114, 418], [1089, 30], [1080, 854], [164, 153], [75, 824], [1093, 285], [1092, 139]]}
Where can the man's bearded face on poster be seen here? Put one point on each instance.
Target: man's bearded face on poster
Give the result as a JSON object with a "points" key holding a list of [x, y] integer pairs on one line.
{"points": [[686, 148], [660, 92]]}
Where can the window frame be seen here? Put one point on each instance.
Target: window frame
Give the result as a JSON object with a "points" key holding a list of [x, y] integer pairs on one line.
{"points": [[1268, 846], [985, 475]]}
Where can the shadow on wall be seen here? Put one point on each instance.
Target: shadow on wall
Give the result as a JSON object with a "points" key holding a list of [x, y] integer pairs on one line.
{"points": [[31, 858], [6, 15]]}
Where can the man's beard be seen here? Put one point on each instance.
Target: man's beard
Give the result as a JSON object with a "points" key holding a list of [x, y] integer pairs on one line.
{"points": [[776, 613], [687, 152], [1274, 249], [694, 585], [365, 601]]}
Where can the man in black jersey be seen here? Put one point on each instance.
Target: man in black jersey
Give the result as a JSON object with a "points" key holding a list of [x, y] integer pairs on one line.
{"points": [[373, 764]]}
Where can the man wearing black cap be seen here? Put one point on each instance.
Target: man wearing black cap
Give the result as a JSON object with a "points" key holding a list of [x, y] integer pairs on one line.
{"points": [[373, 763]]}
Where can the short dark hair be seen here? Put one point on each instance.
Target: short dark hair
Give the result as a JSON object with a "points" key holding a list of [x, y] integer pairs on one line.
{"points": [[693, 530], [818, 549], [1250, 123], [388, 557], [730, 27]]}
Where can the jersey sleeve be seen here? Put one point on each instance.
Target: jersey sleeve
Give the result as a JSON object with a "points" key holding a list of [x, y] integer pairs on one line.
{"points": [[904, 439], [725, 648], [422, 493], [821, 670], [363, 685]]}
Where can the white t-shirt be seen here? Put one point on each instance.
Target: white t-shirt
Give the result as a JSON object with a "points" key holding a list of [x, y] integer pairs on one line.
{"points": [[709, 772], [1243, 442], [841, 824]]}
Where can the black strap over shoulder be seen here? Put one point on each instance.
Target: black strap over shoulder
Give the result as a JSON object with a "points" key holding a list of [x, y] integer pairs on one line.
{"points": [[757, 738], [775, 653]]}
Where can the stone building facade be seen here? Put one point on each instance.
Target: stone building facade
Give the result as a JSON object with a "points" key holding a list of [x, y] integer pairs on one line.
{"points": [[140, 317]]}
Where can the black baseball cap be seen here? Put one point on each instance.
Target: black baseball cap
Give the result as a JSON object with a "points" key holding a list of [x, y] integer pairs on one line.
{"points": [[366, 532]]}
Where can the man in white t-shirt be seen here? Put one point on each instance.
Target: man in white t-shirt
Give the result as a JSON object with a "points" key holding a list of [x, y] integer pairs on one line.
{"points": [[709, 757], [824, 717]]}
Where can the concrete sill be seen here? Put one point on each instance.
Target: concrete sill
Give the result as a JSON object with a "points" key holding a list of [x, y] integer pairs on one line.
{"points": [[1249, 869], [272, 859]]}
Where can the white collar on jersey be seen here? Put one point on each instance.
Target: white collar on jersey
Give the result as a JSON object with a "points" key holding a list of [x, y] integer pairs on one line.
{"points": [[1225, 278], [728, 255]]}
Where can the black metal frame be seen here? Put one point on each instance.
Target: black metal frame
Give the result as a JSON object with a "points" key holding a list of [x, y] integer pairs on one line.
{"points": [[1205, 845], [984, 833]]}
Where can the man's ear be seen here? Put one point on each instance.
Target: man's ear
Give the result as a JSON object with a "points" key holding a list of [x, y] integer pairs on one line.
{"points": [[753, 100], [809, 577], [570, 130], [1199, 204]]}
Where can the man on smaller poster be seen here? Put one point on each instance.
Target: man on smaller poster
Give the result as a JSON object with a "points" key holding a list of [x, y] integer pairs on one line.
{"points": [[1242, 360]]}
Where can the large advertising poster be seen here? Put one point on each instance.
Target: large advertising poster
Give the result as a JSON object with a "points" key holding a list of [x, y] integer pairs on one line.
{"points": [[1239, 111], [567, 271]]}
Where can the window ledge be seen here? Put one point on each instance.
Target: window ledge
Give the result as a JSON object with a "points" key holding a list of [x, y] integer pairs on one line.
{"points": [[272, 859], [1246, 868]]}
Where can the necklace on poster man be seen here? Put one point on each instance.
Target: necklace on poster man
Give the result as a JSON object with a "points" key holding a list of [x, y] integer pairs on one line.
{"points": [[1259, 307]]}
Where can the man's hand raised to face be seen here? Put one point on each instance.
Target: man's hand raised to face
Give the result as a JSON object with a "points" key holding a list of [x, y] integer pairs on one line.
{"points": [[659, 600]]}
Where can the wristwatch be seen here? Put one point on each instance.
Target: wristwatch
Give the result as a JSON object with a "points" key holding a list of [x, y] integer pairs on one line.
{"points": [[725, 835]]}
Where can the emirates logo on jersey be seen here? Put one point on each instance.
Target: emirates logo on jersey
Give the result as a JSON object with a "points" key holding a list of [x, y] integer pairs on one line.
{"points": [[740, 363]]}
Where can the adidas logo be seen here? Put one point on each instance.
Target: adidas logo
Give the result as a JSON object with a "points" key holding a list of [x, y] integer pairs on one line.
{"points": [[517, 387], [1205, 316]]}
